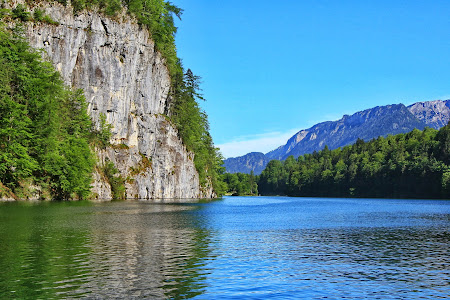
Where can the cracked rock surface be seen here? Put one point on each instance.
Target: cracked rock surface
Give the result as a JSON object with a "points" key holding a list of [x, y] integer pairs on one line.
{"points": [[115, 62]]}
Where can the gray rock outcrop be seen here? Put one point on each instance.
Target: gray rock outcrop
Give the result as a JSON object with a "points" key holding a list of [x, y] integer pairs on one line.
{"points": [[434, 114], [123, 76], [367, 124]]}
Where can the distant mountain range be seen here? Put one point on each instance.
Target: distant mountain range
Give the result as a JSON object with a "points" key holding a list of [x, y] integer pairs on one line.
{"points": [[367, 124], [254, 161]]}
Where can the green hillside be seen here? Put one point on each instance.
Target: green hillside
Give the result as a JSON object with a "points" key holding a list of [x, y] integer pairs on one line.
{"points": [[412, 165]]}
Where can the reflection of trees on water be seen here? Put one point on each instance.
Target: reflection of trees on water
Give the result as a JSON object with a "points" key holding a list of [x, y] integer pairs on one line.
{"points": [[39, 254], [122, 250]]}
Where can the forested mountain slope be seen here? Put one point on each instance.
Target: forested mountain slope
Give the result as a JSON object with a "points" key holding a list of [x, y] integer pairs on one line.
{"points": [[365, 125], [411, 165]]}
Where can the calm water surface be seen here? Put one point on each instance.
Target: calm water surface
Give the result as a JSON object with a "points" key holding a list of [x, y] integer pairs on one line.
{"points": [[235, 248]]}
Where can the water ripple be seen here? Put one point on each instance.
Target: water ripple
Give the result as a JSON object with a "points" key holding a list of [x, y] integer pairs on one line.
{"points": [[232, 249]]}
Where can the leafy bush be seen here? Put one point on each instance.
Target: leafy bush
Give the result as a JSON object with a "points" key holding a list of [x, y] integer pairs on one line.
{"points": [[38, 15], [116, 182], [19, 12], [47, 19], [102, 136]]}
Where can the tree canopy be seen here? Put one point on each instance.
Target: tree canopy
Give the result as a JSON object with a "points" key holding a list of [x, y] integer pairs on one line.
{"points": [[412, 165], [183, 109], [240, 184], [44, 126]]}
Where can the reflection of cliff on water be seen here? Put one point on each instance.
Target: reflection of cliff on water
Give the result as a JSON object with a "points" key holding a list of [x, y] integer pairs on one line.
{"points": [[109, 250]]}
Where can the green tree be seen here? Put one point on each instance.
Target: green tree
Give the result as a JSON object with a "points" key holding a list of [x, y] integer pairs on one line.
{"points": [[44, 127], [192, 124], [413, 165]]}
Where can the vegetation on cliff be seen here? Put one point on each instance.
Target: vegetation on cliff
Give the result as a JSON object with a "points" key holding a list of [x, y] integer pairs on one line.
{"points": [[183, 109], [193, 127], [412, 165], [44, 127]]}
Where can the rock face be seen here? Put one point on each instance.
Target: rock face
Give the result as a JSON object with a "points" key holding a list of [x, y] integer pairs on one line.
{"points": [[115, 62], [434, 114], [367, 124]]}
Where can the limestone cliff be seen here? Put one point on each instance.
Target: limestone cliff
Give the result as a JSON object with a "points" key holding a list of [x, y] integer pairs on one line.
{"points": [[115, 62]]}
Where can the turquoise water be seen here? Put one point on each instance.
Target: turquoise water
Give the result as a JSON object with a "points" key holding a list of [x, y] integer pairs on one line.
{"points": [[234, 248]]}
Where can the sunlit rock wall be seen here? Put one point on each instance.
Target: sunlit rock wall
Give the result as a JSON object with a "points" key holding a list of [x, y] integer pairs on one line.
{"points": [[115, 62]]}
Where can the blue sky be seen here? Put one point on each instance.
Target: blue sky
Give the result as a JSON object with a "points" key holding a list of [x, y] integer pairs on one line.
{"points": [[271, 68]]}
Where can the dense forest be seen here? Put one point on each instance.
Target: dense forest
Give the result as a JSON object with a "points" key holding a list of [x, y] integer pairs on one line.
{"points": [[45, 131], [57, 152], [412, 165], [240, 184]]}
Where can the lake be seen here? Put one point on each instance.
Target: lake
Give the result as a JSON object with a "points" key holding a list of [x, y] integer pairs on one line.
{"points": [[233, 248]]}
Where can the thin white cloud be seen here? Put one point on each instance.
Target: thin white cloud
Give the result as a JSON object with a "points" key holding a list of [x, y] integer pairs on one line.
{"points": [[256, 143]]}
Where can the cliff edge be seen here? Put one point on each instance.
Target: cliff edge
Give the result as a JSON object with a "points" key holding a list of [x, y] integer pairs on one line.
{"points": [[124, 77]]}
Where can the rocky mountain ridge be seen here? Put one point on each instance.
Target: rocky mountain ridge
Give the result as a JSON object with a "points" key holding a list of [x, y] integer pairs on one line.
{"points": [[254, 161], [367, 124], [125, 78]]}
